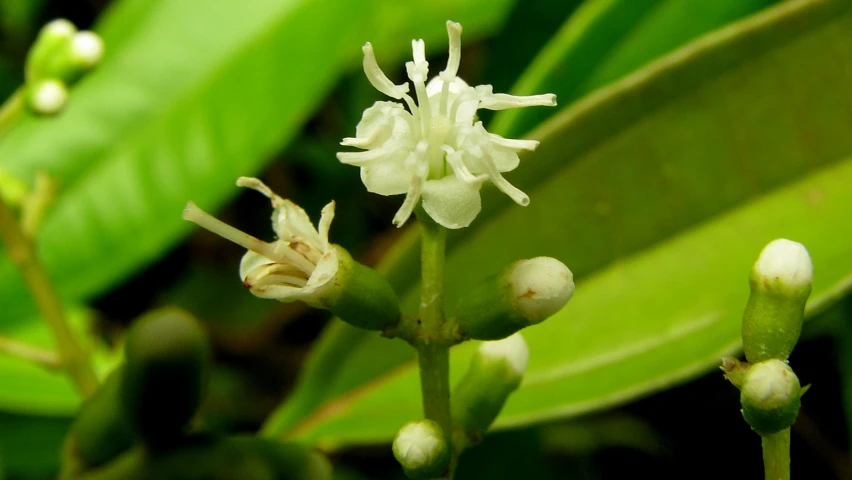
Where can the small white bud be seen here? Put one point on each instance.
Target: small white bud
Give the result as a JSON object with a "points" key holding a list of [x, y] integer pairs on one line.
{"points": [[59, 28], [421, 449], [47, 97], [513, 350], [87, 49], [770, 396], [540, 286], [786, 263]]}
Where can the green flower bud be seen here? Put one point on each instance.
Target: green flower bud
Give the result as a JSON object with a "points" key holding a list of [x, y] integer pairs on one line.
{"points": [[422, 449], [495, 372], [46, 97], [53, 40], [99, 433], [780, 284], [527, 293], [770, 396], [13, 190], [167, 358], [303, 265]]}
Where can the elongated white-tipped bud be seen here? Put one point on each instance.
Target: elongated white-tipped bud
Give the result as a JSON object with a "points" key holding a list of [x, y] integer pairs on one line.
{"points": [[53, 39], [770, 396], [422, 449], [780, 284], [495, 372], [527, 293], [46, 97]]}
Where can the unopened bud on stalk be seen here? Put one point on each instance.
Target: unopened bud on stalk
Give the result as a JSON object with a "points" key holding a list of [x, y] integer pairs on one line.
{"points": [[46, 97], [780, 284], [526, 293], [422, 449], [495, 372], [62, 53], [53, 39], [770, 396]]}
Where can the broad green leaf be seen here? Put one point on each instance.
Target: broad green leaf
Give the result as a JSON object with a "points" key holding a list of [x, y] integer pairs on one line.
{"points": [[598, 28], [607, 39], [658, 191], [31, 389], [192, 94]]}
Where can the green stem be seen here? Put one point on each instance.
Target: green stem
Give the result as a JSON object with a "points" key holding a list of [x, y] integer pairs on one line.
{"points": [[433, 352], [10, 110], [776, 455], [21, 250]]}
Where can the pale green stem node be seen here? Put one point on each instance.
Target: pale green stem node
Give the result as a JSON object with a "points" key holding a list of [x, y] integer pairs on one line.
{"points": [[780, 284], [526, 293], [422, 449], [495, 372], [770, 396]]}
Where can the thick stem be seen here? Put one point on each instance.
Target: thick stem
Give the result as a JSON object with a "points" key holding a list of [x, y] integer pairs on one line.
{"points": [[433, 352], [776, 455]]}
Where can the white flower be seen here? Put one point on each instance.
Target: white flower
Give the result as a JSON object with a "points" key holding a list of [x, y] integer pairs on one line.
{"points": [[436, 150], [296, 266]]}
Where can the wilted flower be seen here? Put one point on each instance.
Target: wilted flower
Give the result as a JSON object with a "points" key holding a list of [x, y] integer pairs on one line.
{"points": [[295, 266], [436, 150]]}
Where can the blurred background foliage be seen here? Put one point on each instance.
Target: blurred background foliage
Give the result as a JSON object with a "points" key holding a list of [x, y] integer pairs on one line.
{"points": [[659, 178]]}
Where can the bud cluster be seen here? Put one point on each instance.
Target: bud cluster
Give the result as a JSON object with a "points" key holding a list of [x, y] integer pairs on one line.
{"points": [[60, 56]]}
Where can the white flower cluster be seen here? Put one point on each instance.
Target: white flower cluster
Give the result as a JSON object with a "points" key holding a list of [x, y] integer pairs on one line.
{"points": [[436, 151]]}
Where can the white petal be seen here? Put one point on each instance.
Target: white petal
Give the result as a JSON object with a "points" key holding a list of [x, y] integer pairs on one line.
{"points": [[377, 78], [326, 217], [451, 202], [504, 161], [513, 143], [293, 221], [326, 270], [412, 198], [386, 178], [380, 122], [250, 261], [454, 31], [502, 101], [369, 157]]}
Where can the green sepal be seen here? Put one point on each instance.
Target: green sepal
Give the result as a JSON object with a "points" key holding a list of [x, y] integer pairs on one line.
{"points": [[167, 361], [359, 295], [486, 312], [100, 433]]}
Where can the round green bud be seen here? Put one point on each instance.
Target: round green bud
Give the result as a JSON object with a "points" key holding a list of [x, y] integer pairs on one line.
{"points": [[527, 293], [770, 396], [422, 449], [46, 97], [167, 358], [495, 371], [780, 283]]}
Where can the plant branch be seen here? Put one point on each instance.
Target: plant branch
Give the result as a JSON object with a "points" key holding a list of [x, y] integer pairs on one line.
{"points": [[21, 250], [776, 455], [25, 351], [433, 353]]}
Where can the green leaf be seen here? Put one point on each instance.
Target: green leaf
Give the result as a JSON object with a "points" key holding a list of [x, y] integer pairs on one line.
{"points": [[181, 108], [31, 389], [607, 39], [30, 445], [658, 191]]}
